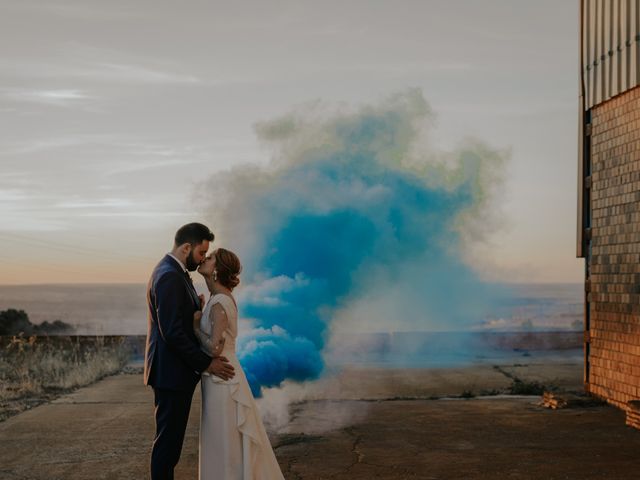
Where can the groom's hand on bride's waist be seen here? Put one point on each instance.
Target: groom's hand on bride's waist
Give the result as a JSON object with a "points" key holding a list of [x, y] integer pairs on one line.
{"points": [[220, 367]]}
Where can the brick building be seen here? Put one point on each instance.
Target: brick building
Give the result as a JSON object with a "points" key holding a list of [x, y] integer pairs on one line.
{"points": [[608, 236]]}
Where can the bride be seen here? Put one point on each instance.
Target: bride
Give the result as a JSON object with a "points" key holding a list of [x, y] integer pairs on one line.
{"points": [[233, 441]]}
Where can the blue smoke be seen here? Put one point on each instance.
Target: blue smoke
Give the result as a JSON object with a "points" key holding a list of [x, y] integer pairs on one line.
{"points": [[271, 356], [345, 211]]}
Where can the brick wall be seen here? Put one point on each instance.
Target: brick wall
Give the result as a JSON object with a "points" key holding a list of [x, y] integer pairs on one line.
{"points": [[614, 255]]}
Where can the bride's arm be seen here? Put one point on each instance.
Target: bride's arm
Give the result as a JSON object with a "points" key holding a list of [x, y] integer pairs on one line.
{"points": [[203, 338], [219, 323]]}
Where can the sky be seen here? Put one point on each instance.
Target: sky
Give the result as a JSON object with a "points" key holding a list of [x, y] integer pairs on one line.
{"points": [[112, 115]]}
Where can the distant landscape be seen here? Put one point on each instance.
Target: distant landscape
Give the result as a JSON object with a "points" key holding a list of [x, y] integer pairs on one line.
{"points": [[120, 309], [99, 309], [16, 322], [85, 332]]}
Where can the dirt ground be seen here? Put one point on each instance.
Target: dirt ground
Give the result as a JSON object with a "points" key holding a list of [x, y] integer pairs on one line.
{"points": [[355, 424]]}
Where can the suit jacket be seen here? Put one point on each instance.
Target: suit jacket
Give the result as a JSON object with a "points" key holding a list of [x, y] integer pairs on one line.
{"points": [[173, 359]]}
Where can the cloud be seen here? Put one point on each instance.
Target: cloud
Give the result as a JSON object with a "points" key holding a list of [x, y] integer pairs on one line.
{"points": [[159, 154], [102, 72], [59, 98], [426, 67], [137, 214], [74, 10], [119, 72], [520, 107], [18, 179], [18, 222], [100, 203], [144, 165], [20, 211], [59, 142], [12, 195]]}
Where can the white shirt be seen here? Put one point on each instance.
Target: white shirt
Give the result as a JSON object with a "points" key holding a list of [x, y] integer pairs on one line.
{"points": [[187, 272], [179, 262]]}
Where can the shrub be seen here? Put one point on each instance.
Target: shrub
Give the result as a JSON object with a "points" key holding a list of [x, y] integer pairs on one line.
{"points": [[16, 322], [32, 365]]}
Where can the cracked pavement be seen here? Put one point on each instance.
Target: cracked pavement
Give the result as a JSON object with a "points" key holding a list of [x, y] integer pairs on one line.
{"points": [[399, 431]]}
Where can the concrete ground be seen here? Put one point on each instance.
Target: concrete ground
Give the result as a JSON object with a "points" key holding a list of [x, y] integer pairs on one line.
{"points": [[357, 424]]}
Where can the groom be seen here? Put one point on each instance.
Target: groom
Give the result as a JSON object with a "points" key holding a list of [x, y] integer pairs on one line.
{"points": [[173, 359]]}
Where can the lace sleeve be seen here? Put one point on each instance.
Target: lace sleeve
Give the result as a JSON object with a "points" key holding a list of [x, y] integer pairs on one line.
{"points": [[219, 323], [203, 338]]}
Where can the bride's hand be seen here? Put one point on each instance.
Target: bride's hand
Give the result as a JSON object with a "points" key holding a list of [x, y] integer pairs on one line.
{"points": [[196, 319], [220, 367]]}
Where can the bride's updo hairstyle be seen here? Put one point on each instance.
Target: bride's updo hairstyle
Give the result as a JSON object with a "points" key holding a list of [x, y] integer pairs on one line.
{"points": [[228, 268]]}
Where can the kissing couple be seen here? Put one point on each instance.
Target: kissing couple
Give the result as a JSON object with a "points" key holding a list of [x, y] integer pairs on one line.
{"points": [[188, 342]]}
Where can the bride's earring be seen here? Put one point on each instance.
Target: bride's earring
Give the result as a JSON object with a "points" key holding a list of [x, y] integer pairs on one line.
{"points": [[215, 275]]}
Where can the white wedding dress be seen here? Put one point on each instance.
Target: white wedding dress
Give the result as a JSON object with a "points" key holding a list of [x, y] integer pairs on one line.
{"points": [[233, 442]]}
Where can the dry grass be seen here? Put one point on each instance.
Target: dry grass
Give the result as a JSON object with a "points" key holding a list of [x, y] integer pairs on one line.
{"points": [[35, 369]]}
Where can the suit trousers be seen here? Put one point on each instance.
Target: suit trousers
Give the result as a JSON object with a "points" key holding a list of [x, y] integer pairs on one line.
{"points": [[172, 413]]}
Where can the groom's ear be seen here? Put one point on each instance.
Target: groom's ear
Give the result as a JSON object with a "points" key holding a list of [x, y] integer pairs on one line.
{"points": [[185, 248]]}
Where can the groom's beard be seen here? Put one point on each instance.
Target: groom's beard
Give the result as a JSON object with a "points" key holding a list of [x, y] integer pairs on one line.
{"points": [[191, 262]]}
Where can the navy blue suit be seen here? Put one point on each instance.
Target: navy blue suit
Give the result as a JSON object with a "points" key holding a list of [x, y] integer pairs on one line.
{"points": [[173, 360]]}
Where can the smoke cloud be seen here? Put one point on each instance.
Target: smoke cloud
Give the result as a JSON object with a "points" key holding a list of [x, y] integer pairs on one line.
{"points": [[355, 219]]}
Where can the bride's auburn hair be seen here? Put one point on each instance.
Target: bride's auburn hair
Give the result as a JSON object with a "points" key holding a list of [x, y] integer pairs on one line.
{"points": [[228, 267]]}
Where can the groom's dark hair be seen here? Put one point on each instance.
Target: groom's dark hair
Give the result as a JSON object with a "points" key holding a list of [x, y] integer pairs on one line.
{"points": [[193, 233]]}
